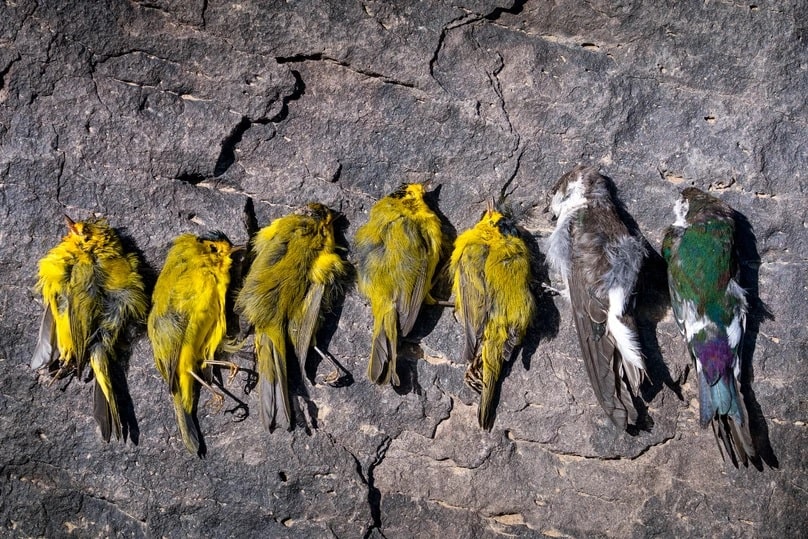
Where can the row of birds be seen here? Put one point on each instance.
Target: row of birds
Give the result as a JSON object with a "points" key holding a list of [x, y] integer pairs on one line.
{"points": [[91, 288]]}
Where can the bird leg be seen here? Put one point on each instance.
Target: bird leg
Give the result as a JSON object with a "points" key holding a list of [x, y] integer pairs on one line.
{"points": [[229, 364], [218, 398]]}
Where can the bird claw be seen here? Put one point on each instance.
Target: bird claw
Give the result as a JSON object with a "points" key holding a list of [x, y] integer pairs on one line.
{"points": [[233, 372], [332, 378], [216, 402], [472, 379], [232, 367]]}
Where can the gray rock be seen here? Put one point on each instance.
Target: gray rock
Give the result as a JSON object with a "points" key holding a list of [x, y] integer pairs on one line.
{"points": [[168, 117]]}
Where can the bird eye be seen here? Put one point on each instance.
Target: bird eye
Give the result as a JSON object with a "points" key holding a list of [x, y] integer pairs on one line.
{"points": [[213, 249]]}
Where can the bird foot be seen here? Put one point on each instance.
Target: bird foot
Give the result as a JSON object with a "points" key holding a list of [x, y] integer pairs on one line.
{"points": [[216, 402], [332, 378], [229, 364]]}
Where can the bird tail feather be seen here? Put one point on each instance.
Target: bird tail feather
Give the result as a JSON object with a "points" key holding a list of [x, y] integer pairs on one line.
{"points": [[383, 351], [493, 356], [105, 407], [273, 388], [187, 425], [722, 406]]}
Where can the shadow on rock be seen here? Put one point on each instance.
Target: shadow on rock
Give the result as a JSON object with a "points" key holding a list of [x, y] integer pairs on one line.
{"points": [[546, 319], [758, 311], [410, 354], [652, 302]]}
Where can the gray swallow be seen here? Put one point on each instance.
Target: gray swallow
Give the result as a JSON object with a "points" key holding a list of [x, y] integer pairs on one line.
{"points": [[599, 260]]}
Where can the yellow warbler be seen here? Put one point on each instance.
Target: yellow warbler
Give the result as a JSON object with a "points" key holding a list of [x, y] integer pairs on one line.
{"points": [[491, 273], [91, 288], [294, 273], [397, 250], [187, 321]]}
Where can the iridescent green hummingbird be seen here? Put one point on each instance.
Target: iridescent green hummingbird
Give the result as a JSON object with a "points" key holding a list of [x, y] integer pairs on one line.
{"points": [[710, 309]]}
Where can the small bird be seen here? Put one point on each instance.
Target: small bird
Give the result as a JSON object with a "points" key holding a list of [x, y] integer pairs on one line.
{"points": [[91, 289], [397, 250], [187, 323], [599, 260], [491, 273], [294, 274], [710, 309]]}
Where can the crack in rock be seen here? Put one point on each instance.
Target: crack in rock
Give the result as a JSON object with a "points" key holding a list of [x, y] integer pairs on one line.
{"points": [[577, 456], [227, 155], [319, 57]]}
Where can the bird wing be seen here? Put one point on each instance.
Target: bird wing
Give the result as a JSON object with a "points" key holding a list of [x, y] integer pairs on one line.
{"points": [[166, 333], [44, 351], [597, 347], [84, 299], [474, 301], [670, 248], [408, 305], [273, 390], [302, 327]]}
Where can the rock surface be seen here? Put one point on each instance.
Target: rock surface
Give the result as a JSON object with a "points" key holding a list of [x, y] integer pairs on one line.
{"points": [[168, 116]]}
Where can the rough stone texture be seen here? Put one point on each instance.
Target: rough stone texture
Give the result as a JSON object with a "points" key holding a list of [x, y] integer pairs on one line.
{"points": [[168, 116]]}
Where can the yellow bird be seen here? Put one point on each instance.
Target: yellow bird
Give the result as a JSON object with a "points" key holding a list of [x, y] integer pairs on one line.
{"points": [[187, 322], [91, 288], [491, 273], [294, 273], [397, 250]]}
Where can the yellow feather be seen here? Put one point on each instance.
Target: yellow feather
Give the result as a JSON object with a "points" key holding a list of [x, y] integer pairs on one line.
{"points": [[91, 289], [490, 265], [187, 322], [398, 251], [295, 271]]}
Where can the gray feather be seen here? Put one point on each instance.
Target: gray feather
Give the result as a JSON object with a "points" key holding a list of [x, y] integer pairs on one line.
{"points": [[44, 352], [625, 258]]}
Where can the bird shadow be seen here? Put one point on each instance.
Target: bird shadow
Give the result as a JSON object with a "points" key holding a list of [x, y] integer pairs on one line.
{"points": [[544, 324], [651, 304], [409, 354], [123, 347], [117, 371], [748, 260]]}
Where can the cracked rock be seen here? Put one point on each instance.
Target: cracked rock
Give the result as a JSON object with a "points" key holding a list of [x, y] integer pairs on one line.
{"points": [[168, 117]]}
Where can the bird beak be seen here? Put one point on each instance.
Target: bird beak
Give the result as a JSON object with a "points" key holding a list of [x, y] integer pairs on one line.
{"points": [[428, 185], [489, 206], [71, 224], [237, 249]]}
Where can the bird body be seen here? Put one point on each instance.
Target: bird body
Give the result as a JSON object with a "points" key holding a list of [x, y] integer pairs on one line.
{"points": [[295, 270], [490, 266], [91, 288], [187, 322], [398, 251], [599, 260], [710, 309]]}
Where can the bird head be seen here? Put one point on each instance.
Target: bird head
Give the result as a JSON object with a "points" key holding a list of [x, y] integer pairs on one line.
{"points": [[217, 248], [318, 211], [693, 202], [89, 235]]}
